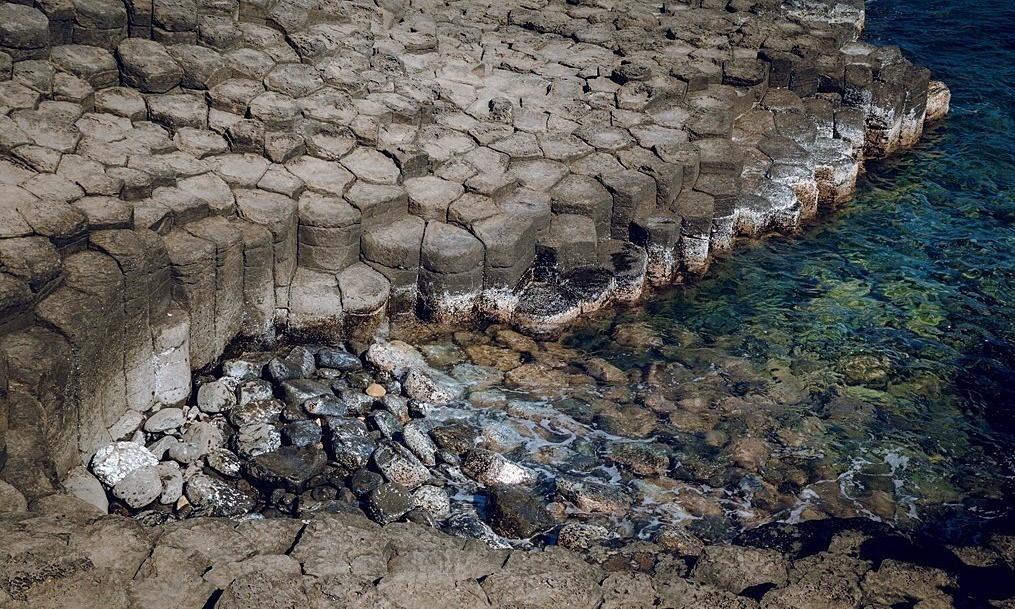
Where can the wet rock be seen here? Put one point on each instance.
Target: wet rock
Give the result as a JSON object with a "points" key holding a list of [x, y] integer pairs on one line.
{"points": [[302, 433], [298, 364], [113, 462], [386, 423], [433, 500], [395, 357], [399, 465], [396, 405], [581, 536], [492, 469], [326, 406], [591, 496], [641, 458], [262, 411], [388, 502], [256, 439], [429, 385], [416, 439], [467, 525], [215, 397], [243, 369], [288, 466], [139, 487], [297, 391], [339, 360], [217, 498], [349, 441], [364, 481], [516, 513]]}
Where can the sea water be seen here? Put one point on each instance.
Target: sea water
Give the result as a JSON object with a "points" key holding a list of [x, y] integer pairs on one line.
{"points": [[902, 301]]}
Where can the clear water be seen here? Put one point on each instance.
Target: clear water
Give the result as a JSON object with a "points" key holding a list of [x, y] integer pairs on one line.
{"points": [[863, 367], [893, 319]]}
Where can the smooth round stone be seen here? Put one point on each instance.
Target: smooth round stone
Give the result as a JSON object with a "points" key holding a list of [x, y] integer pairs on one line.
{"points": [[139, 487], [215, 397], [172, 482], [224, 461], [164, 420], [389, 502], [184, 452], [376, 390]]}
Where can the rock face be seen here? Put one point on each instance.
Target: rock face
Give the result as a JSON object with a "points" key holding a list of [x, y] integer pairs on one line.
{"points": [[339, 560], [177, 174]]}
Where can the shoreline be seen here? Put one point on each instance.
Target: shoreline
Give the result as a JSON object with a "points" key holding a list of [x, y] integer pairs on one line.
{"points": [[309, 226]]}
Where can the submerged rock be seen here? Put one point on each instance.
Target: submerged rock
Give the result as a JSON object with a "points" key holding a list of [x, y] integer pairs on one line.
{"points": [[492, 469], [515, 512]]}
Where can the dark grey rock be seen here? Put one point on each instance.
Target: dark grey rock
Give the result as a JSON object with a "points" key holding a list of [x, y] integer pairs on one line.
{"points": [[288, 466], [516, 513], [386, 423], [257, 438], [364, 481], [259, 411], [254, 391], [349, 441], [297, 391], [388, 502], [302, 433], [216, 498], [326, 406], [400, 466], [338, 359]]}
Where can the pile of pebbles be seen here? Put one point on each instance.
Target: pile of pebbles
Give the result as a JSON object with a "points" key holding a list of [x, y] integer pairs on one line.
{"points": [[323, 430]]}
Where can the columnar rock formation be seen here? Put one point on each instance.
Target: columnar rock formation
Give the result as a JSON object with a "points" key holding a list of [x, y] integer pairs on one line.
{"points": [[178, 173]]}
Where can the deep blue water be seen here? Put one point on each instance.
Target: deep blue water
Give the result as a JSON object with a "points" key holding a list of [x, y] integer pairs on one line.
{"points": [[914, 279]]}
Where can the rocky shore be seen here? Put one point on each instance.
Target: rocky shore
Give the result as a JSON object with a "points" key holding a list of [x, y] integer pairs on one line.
{"points": [[69, 555], [181, 174]]}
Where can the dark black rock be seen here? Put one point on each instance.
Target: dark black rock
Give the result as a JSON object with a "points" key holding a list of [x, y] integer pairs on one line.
{"points": [[455, 437], [385, 422], [388, 502], [350, 444], [515, 512], [302, 433], [338, 359], [357, 402], [297, 391], [364, 481], [261, 411], [326, 406], [289, 466]]}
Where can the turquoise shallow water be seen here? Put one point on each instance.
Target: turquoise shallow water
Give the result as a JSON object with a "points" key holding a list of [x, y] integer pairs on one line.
{"points": [[898, 308]]}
